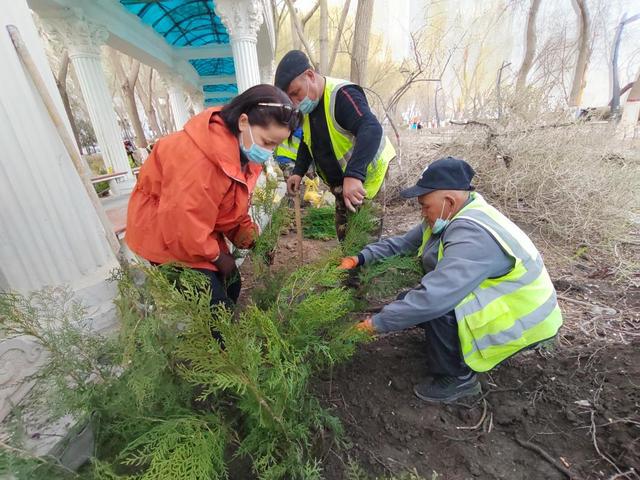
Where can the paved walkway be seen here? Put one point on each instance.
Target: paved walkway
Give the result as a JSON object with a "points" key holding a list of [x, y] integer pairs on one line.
{"points": [[116, 209]]}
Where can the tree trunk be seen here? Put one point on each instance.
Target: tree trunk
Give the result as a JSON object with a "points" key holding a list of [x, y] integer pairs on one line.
{"points": [[360, 51], [146, 98], [338, 38], [127, 84], [295, 38], [299, 28], [584, 53], [530, 46], [61, 82], [615, 95], [435, 107], [324, 37], [499, 87]]}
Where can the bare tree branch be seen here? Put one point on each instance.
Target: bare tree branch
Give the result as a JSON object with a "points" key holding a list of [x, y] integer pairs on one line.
{"points": [[336, 42], [300, 31], [308, 16]]}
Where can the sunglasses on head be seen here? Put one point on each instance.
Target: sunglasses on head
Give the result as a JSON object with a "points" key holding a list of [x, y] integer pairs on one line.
{"points": [[287, 111]]}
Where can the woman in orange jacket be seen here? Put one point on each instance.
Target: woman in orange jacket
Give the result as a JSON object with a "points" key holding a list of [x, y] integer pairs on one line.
{"points": [[195, 188]]}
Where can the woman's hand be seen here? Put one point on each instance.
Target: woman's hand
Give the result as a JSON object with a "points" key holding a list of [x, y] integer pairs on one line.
{"points": [[225, 263]]}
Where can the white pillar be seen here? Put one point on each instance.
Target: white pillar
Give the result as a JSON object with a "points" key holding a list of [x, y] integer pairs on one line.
{"points": [[196, 98], [266, 72], [50, 233], [243, 19], [83, 39], [177, 100]]}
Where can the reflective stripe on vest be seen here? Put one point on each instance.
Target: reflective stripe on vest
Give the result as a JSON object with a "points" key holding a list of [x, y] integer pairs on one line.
{"points": [[504, 315], [342, 140], [288, 149]]}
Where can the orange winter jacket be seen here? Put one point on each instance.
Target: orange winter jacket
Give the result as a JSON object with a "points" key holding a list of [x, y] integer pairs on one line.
{"points": [[191, 193]]}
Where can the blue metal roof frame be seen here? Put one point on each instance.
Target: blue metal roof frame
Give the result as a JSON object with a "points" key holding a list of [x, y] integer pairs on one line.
{"points": [[226, 87], [213, 66], [186, 23], [212, 102]]}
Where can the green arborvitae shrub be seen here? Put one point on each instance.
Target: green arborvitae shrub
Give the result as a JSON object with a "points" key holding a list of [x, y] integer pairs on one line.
{"points": [[319, 223], [383, 280], [167, 400], [360, 226]]}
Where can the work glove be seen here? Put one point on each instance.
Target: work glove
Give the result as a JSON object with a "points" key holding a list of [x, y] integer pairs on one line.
{"points": [[225, 263], [348, 263], [366, 325]]}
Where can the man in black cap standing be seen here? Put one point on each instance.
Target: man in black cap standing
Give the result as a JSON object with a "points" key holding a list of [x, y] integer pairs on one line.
{"points": [[486, 293], [340, 135]]}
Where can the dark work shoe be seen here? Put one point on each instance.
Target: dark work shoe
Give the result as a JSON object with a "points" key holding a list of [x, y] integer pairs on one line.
{"points": [[447, 389]]}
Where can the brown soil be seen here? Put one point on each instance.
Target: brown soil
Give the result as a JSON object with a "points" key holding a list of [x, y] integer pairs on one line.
{"points": [[547, 398], [575, 404]]}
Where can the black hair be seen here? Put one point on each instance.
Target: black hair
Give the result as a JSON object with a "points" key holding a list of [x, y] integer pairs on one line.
{"points": [[247, 102]]}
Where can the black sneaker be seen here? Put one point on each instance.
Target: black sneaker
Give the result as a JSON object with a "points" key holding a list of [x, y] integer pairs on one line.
{"points": [[447, 389]]}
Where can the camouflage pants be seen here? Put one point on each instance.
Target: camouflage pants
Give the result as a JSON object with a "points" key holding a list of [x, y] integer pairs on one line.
{"points": [[342, 212]]}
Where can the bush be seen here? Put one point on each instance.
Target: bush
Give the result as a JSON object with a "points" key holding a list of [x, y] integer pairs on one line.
{"points": [[383, 280], [168, 399], [319, 223], [572, 183]]}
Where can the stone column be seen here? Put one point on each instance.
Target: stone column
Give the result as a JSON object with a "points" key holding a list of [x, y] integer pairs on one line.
{"points": [[266, 73], [177, 100], [83, 40], [197, 101], [243, 19], [50, 234]]}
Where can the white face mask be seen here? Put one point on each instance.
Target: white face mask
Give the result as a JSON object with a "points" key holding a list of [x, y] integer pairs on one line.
{"points": [[441, 223], [307, 105]]}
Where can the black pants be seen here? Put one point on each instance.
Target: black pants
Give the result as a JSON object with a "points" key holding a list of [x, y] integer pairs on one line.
{"points": [[224, 291], [444, 355]]}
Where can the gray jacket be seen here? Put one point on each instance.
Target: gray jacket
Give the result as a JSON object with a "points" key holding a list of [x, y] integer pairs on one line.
{"points": [[470, 256]]}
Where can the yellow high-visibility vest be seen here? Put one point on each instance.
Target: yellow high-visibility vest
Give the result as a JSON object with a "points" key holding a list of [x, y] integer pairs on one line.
{"points": [[288, 149], [504, 315], [342, 141]]}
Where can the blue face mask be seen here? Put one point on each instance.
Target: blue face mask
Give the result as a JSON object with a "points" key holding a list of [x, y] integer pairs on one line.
{"points": [[307, 105], [440, 224], [256, 153]]}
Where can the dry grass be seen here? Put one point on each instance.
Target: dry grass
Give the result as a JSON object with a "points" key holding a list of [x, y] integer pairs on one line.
{"points": [[574, 184]]}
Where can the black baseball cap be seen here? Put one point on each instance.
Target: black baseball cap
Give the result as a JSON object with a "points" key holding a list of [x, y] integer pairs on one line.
{"points": [[291, 65], [447, 173]]}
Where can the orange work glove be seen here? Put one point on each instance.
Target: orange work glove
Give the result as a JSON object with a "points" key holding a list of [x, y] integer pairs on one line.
{"points": [[348, 263], [366, 326]]}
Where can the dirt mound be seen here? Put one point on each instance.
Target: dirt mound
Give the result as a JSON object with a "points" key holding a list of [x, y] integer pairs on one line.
{"points": [[549, 398]]}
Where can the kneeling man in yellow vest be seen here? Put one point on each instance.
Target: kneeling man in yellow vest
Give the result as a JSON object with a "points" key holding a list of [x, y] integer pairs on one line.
{"points": [[486, 293]]}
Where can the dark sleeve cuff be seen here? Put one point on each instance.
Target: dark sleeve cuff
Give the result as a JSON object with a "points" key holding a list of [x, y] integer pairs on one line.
{"points": [[360, 259], [299, 170], [357, 175]]}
